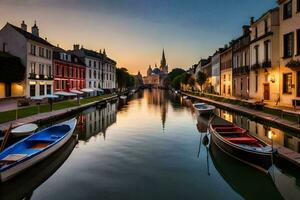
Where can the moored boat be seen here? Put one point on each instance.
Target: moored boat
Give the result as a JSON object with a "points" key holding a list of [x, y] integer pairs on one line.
{"points": [[204, 109], [34, 148], [24, 130], [238, 143], [123, 97]]}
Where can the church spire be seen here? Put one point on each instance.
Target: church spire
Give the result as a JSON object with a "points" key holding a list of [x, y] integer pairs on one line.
{"points": [[163, 63]]}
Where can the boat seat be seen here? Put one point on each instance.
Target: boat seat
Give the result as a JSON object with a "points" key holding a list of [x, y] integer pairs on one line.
{"points": [[242, 140]]}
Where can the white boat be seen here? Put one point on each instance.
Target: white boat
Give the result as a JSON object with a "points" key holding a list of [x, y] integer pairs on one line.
{"points": [[123, 97], [34, 148], [203, 108], [24, 130]]}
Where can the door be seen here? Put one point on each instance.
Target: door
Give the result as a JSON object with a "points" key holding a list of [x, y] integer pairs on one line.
{"points": [[7, 89], [298, 84], [266, 91]]}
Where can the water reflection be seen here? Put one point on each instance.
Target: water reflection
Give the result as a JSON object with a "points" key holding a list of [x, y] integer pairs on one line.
{"points": [[95, 121]]}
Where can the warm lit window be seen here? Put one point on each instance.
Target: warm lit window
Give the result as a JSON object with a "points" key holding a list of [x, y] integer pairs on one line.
{"points": [[298, 41], [287, 83]]}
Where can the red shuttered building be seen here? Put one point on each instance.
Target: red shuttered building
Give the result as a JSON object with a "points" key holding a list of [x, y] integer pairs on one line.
{"points": [[69, 71]]}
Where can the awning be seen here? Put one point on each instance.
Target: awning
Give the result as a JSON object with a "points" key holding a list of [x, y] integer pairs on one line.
{"points": [[51, 96], [38, 98], [66, 94], [76, 91], [48, 96], [87, 90], [98, 90]]}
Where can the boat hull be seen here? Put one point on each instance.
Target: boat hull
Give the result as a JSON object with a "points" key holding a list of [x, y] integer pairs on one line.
{"points": [[259, 160], [15, 170]]}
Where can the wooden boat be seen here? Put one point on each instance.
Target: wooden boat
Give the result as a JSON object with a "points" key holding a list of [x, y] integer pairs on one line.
{"points": [[36, 175], [203, 108], [34, 148], [24, 130], [238, 143]]}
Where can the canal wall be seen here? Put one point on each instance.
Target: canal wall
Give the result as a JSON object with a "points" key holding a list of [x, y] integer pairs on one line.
{"points": [[284, 154]]}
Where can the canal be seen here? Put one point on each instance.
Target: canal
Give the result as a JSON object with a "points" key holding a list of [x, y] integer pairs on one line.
{"points": [[151, 148]]}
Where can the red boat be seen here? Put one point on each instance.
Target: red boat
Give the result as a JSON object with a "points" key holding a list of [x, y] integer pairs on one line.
{"points": [[238, 143]]}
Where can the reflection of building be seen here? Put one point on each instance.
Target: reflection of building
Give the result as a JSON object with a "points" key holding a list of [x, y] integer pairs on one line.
{"points": [[156, 76], [158, 98], [97, 121], [35, 54]]}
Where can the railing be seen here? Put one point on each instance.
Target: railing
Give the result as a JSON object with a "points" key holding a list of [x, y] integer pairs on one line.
{"points": [[40, 76]]}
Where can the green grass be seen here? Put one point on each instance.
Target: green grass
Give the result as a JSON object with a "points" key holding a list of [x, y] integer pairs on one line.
{"points": [[32, 110]]}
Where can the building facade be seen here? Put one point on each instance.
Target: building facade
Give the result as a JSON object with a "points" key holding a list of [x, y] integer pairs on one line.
{"points": [[264, 57], [226, 71], [205, 66], [289, 46], [100, 69], [69, 71], [215, 72], [35, 54], [241, 65], [156, 76]]}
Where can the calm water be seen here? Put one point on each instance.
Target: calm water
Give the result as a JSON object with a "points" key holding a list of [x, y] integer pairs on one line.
{"points": [[150, 149]]}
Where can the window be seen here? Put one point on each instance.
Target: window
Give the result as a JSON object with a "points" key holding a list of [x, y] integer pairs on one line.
{"points": [[33, 49], [32, 68], [49, 70], [90, 73], [256, 54], [229, 90], [248, 84], [298, 41], [287, 10], [224, 88], [266, 26], [266, 46], [57, 85], [256, 81], [298, 5], [256, 32], [241, 84], [41, 51], [90, 63], [42, 90], [288, 45], [49, 89], [41, 69], [4, 47], [32, 90], [95, 64], [287, 83]]}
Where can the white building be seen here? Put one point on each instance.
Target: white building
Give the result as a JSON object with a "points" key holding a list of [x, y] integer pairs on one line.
{"points": [[35, 54], [264, 57], [216, 72], [100, 70]]}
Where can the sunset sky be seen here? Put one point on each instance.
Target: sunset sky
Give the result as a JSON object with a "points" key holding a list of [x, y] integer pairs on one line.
{"points": [[134, 32]]}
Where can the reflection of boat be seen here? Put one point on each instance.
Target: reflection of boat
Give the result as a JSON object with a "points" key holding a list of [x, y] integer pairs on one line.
{"points": [[238, 143], [202, 124], [245, 180], [23, 185], [204, 109], [34, 148], [24, 130]]}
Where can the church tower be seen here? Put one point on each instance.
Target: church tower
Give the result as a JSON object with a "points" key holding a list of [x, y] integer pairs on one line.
{"points": [[149, 71], [163, 63]]}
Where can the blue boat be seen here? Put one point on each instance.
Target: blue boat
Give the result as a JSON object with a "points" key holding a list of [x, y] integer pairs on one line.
{"points": [[34, 148]]}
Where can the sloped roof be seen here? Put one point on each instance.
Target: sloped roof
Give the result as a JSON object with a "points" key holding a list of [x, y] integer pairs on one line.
{"points": [[30, 36]]}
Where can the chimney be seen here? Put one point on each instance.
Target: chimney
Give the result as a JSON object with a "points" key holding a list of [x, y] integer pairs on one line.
{"points": [[23, 26], [76, 47], [35, 30], [246, 29], [251, 20]]}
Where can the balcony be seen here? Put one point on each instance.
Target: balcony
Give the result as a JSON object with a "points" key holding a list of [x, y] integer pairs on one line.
{"points": [[241, 70], [256, 66], [40, 76], [266, 64]]}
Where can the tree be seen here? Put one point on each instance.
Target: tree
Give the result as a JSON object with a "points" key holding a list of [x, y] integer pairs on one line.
{"points": [[201, 78], [174, 73], [176, 82], [124, 79]]}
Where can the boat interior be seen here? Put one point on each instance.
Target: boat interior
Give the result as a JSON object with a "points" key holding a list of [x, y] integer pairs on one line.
{"points": [[34, 144], [237, 135]]}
